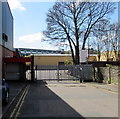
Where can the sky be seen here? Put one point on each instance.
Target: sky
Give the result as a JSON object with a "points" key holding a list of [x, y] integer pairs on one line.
{"points": [[30, 21]]}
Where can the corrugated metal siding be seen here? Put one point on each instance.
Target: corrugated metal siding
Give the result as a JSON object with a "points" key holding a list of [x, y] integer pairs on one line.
{"points": [[119, 23], [0, 62], [7, 25], [0, 23]]}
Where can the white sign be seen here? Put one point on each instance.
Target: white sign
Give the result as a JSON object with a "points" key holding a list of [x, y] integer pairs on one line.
{"points": [[83, 55]]}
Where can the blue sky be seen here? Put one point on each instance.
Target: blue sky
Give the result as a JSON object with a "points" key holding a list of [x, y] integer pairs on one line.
{"points": [[32, 19], [29, 22]]}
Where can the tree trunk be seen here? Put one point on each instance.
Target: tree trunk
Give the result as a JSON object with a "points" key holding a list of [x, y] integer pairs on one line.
{"points": [[98, 57], [72, 51], [115, 52], [83, 46], [77, 55], [73, 57], [107, 56], [77, 48]]}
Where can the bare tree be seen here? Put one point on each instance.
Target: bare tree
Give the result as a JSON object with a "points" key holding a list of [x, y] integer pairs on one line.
{"points": [[98, 45], [99, 32], [107, 38], [111, 41], [73, 21], [114, 38]]}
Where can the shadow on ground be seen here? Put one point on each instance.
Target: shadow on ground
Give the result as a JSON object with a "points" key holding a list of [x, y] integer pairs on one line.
{"points": [[14, 88], [41, 102]]}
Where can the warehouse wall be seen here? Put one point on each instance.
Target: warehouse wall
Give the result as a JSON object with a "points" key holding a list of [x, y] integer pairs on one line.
{"points": [[119, 23], [0, 62], [0, 55], [0, 23], [51, 60], [7, 25], [0, 41], [7, 52]]}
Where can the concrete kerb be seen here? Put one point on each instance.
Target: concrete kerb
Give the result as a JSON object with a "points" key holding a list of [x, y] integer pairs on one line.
{"points": [[106, 87], [10, 103]]}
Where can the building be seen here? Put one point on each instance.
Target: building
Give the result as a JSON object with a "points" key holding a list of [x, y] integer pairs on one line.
{"points": [[52, 59], [83, 56], [119, 24], [92, 58], [28, 51], [110, 56], [57, 57], [6, 34]]}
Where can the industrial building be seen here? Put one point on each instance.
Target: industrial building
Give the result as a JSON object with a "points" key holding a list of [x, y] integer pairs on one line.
{"points": [[56, 59], [52, 59], [6, 34], [28, 51], [119, 24]]}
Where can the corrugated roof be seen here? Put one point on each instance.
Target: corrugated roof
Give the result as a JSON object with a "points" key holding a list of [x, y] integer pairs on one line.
{"points": [[52, 55]]}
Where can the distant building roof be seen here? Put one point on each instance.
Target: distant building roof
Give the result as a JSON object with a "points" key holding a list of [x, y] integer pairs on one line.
{"points": [[28, 51], [52, 55]]}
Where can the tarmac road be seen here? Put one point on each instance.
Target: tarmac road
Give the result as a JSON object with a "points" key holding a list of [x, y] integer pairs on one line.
{"points": [[14, 89], [59, 99]]}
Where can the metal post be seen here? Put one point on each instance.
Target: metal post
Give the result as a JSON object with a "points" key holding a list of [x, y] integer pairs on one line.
{"points": [[32, 69], [36, 71], [80, 69], [109, 78], [58, 73]]}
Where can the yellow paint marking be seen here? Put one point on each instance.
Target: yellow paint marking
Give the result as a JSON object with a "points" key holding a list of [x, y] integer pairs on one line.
{"points": [[11, 116], [18, 112]]}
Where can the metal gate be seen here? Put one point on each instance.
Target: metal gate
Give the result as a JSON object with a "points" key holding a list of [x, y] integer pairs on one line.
{"points": [[62, 72]]}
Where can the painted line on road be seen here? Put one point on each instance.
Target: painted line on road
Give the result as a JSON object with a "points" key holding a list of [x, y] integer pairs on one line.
{"points": [[22, 101], [16, 107], [107, 90], [11, 102]]}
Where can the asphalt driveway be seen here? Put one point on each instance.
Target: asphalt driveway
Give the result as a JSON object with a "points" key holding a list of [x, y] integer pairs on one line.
{"points": [[65, 99]]}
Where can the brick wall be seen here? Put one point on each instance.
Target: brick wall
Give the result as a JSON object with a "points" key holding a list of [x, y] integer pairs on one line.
{"points": [[7, 53], [4, 53]]}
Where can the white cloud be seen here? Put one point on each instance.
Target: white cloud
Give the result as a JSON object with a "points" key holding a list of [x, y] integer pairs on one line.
{"points": [[47, 46], [31, 38], [15, 4], [34, 41]]}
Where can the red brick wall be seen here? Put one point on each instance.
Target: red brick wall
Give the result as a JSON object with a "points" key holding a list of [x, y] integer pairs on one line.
{"points": [[7, 53], [4, 53]]}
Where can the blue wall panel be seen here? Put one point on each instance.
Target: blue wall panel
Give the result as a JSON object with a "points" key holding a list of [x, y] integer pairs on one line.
{"points": [[7, 25]]}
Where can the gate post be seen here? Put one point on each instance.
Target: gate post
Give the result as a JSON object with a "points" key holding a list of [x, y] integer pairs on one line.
{"points": [[32, 69], [58, 72], [36, 72], [80, 73]]}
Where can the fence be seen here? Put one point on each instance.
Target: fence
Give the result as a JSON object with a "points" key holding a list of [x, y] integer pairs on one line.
{"points": [[62, 72], [107, 74]]}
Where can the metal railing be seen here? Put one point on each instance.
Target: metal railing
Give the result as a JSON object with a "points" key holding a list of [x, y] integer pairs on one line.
{"points": [[62, 72]]}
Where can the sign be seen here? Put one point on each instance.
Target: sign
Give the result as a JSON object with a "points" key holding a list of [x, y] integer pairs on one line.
{"points": [[83, 56]]}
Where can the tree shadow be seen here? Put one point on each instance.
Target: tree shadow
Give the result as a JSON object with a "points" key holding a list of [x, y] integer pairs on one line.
{"points": [[41, 102]]}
